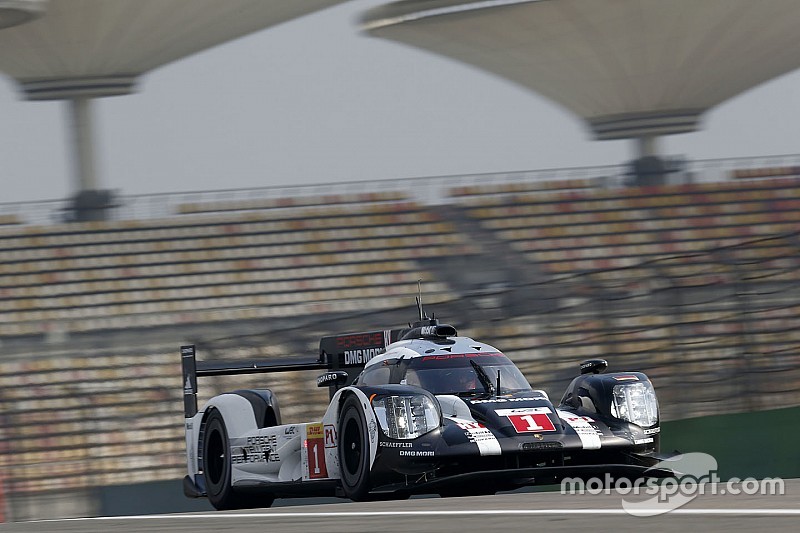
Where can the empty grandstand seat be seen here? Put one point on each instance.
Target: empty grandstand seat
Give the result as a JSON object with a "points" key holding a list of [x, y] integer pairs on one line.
{"points": [[232, 266]]}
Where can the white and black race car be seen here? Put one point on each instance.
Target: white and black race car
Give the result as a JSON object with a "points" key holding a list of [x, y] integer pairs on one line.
{"points": [[414, 410]]}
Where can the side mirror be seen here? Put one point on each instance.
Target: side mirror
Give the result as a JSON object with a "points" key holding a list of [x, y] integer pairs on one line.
{"points": [[594, 366], [336, 377]]}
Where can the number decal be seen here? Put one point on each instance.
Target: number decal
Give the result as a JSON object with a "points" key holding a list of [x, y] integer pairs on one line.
{"points": [[316, 458], [315, 450], [531, 423]]}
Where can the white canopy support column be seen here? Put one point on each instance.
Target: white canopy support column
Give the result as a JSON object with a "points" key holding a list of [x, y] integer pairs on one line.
{"points": [[647, 146], [81, 50], [80, 123]]}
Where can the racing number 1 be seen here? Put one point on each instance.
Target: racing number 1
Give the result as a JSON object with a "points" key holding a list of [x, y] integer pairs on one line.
{"points": [[315, 446], [316, 458], [532, 425], [531, 422]]}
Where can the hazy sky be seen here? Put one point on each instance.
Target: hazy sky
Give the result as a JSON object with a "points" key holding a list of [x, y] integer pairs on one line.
{"points": [[316, 101]]}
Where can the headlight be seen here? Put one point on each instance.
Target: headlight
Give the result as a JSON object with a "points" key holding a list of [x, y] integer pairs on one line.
{"points": [[636, 403], [406, 417]]}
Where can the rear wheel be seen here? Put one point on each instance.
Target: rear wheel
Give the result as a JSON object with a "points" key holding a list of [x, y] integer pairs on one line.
{"points": [[354, 450], [217, 470]]}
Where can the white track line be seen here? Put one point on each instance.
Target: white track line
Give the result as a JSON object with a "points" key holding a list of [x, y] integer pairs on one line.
{"points": [[487, 512]]}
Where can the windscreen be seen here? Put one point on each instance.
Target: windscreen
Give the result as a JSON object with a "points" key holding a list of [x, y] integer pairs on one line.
{"points": [[466, 373]]}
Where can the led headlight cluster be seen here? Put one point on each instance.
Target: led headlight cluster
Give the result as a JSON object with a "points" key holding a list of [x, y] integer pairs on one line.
{"points": [[636, 403], [406, 417]]}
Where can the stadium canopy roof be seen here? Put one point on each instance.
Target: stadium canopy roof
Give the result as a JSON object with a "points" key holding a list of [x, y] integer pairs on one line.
{"points": [[99, 47], [15, 12], [630, 68], [78, 50]]}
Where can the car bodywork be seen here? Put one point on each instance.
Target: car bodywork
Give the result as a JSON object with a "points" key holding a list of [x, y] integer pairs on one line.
{"points": [[400, 422]]}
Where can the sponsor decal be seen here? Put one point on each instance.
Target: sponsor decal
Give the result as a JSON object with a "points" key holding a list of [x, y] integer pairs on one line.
{"points": [[387, 444], [571, 417], [647, 440], [417, 453], [470, 425], [428, 331], [187, 387], [523, 411], [291, 430], [485, 439], [328, 377], [314, 431], [315, 449], [584, 427], [257, 449], [189, 425], [480, 435], [652, 431], [507, 400], [361, 340], [330, 436], [360, 357], [626, 378], [444, 357]]}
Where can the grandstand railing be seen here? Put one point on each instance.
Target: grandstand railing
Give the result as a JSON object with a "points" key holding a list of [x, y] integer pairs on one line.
{"points": [[426, 190]]}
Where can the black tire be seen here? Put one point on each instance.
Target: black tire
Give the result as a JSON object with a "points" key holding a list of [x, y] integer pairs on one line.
{"points": [[354, 451], [217, 470]]}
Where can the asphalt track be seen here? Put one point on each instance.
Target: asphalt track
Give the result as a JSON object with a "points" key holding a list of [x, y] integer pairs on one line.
{"points": [[532, 511]]}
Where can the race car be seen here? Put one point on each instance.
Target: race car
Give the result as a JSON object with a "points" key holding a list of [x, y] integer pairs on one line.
{"points": [[413, 410]]}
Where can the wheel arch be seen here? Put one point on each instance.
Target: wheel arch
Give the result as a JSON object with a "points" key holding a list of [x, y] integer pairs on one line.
{"points": [[369, 415], [237, 414]]}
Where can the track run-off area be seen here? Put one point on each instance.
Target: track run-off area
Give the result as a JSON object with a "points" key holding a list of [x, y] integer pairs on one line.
{"points": [[528, 511]]}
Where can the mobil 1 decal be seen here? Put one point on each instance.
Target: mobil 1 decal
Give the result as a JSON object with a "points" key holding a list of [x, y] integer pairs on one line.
{"points": [[528, 419]]}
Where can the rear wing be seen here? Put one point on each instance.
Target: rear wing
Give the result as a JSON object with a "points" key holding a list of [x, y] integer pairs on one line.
{"points": [[348, 352], [193, 369]]}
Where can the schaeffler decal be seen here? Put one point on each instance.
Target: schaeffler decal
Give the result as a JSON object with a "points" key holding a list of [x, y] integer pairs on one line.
{"points": [[582, 425], [476, 432], [528, 419]]}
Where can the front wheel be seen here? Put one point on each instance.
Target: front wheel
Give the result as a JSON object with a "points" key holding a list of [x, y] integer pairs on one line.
{"points": [[354, 450], [217, 470]]}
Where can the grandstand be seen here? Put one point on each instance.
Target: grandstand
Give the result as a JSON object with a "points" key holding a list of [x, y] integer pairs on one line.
{"points": [[222, 265], [573, 232], [694, 283]]}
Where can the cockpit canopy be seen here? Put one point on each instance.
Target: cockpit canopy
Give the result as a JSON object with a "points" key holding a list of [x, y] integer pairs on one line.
{"points": [[451, 373]]}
